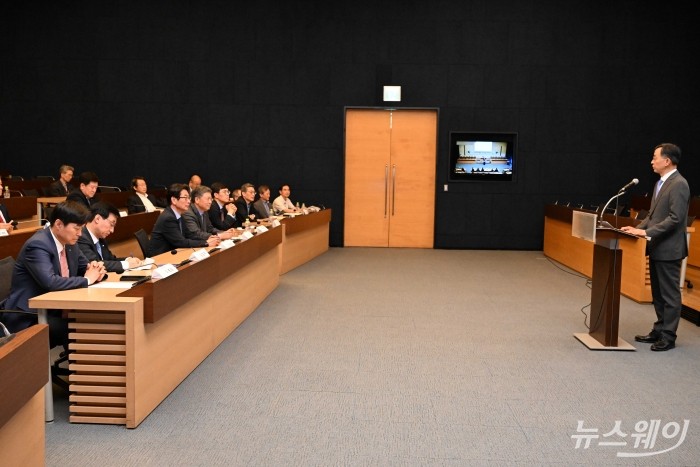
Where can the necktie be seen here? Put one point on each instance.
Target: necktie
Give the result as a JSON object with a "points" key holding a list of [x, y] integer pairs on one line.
{"points": [[221, 212], [99, 248], [2, 218], [658, 187], [179, 222], [64, 263]]}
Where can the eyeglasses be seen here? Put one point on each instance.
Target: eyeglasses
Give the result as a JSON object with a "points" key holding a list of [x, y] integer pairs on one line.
{"points": [[184, 197], [225, 192]]}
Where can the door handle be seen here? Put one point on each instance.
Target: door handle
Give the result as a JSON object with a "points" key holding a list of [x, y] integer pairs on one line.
{"points": [[386, 189], [393, 188]]}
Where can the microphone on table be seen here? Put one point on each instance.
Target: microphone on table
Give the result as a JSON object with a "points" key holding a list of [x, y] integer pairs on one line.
{"points": [[630, 184]]}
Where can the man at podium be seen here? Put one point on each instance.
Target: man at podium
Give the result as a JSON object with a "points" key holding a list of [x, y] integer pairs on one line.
{"points": [[667, 246]]}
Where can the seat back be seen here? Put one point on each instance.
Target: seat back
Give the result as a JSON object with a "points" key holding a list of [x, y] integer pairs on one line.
{"points": [[142, 238], [7, 264], [108, 189], [30, 192]]}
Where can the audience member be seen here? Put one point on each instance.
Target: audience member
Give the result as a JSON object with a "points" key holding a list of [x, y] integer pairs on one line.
{"points": [[222, 212], [196, 218], [235, 194], [195, 181], [168, 232], [50, 261], [262, 205], [85, 194], [103, 218], [5, 219], [244, 205], [61, 187], [282, 203], [141, 201]]}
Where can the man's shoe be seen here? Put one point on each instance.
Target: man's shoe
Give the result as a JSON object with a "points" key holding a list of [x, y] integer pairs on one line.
{"points": [[650, 338], [662, 345]]}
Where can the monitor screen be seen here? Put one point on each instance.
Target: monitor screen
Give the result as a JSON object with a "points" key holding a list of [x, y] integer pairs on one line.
{"points": [[480, 156]]}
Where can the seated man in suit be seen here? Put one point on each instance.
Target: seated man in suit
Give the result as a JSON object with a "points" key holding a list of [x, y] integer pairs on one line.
{"points": [[282, 203], [85, 194], [195, 181], [222, 212], [61, 187], [244, 205], [50, 261], [263, 206], [168, 232], [5, 220], [196, 218], [141, 201], [103, 218]]}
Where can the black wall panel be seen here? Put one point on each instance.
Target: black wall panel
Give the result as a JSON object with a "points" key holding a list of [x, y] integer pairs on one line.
{"points": [[256, 93]]}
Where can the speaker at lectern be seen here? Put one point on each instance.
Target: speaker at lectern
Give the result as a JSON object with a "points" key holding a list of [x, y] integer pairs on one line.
{"points": [[605, 288]]}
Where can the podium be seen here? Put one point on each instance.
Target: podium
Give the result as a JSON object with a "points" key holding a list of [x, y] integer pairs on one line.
{"points": [[605, 288]]}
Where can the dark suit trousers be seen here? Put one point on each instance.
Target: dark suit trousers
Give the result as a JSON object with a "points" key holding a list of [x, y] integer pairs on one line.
{"points": [[666, 295]]}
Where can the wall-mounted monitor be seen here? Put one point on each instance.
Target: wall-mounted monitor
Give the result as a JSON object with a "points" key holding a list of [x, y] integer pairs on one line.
{"points": [[482, 156]]}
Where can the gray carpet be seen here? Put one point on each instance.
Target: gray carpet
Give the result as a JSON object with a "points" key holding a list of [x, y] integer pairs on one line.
{"points": [[414, 357]]}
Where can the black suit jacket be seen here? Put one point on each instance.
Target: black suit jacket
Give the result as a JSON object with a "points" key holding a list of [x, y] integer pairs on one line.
{"points": [[166, 235], [244, 211], [134, 204], [666, 223], [197, 227], [79, 197], [38, 270], [56, 189], [112, 263], [215, 218], [5, 214]]}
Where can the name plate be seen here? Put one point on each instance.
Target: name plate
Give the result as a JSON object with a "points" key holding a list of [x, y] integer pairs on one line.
{"points": [[246, 235], [199, 255], [226, 244], [4, 233], [164, 271], [275, 222], [261, 229]]}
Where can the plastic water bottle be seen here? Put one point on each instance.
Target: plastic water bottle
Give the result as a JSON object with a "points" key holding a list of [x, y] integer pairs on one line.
{"points": [[7, 192]]}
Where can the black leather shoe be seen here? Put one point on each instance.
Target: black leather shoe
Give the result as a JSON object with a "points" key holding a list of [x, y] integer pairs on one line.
{"points": [[650, 338], [662, 345]]}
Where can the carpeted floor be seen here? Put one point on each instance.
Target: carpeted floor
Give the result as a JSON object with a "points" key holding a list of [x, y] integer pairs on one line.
{"points": [[417, 357]]}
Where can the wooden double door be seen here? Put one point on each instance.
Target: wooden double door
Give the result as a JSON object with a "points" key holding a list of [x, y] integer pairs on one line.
{"points": [[390, 158]]}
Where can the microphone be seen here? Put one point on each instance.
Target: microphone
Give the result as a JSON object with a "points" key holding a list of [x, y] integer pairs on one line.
{"points": [[630, 184], [173, 252]]}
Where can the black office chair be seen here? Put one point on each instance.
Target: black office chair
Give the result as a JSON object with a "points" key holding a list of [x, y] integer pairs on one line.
{"points": [[45, 177], [108, 189], [143, 239], [7, 264], [30, 192]]}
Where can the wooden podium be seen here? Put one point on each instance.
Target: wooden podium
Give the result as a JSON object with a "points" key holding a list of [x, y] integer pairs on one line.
{"points": [[605, 291]]}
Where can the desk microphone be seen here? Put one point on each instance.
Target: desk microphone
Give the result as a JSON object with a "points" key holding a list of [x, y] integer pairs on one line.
{"points": [[630, 184], [173, 252], [141, 281]]}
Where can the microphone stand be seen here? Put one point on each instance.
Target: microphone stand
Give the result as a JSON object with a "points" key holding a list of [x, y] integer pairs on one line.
{"points": [[602, 212]]}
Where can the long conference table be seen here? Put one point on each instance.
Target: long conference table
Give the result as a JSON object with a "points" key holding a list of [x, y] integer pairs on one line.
{"points": [[130, 348]]}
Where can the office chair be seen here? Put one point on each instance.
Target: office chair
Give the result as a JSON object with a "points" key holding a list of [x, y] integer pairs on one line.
{"points": [[143, 239], [108, 189], [45, 177], [30, 192], [7, 264]]}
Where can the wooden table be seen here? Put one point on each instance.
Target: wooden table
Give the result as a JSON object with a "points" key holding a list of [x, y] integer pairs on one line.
{"points": [[130, 349], [24, 373], [305, 237], [577, 254]]}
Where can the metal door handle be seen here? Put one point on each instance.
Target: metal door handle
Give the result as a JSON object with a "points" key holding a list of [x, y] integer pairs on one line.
{"points": [[386, 189], [393, 188]]}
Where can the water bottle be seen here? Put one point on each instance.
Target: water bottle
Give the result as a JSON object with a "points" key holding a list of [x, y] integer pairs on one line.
{"points": [[7, 192]]}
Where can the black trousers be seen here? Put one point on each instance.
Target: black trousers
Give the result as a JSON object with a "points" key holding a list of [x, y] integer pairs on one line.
{"points": [[666, 296]]}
